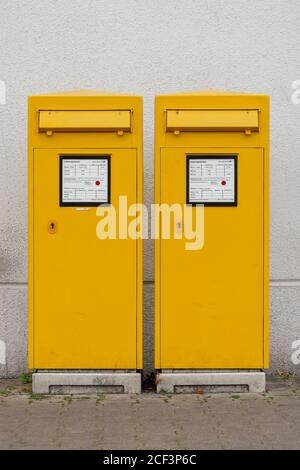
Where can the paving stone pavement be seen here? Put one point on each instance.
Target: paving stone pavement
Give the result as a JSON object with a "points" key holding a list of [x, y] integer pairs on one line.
{"points": [[151, 421]]}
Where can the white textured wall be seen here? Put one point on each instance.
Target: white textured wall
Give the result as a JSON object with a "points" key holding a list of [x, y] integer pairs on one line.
{"points": [[149, 47]]}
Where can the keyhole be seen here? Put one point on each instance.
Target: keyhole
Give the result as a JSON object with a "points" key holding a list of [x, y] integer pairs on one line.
{"points": [[52, 226]]}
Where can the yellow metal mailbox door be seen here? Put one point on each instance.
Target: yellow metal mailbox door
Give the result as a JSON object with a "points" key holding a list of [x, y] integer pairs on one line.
{"points": [[84, 287], [212, 298]]}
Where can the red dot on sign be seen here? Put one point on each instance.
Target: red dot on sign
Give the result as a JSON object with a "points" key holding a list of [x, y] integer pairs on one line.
{"points": [[97, 183], [223, 182]]}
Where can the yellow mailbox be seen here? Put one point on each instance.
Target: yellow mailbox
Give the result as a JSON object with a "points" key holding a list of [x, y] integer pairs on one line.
{"points": [[211, 304], [85, 293]]}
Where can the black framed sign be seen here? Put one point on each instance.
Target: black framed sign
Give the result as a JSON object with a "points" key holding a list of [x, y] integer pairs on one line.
{"points": [[211, 180], [84, 180]]}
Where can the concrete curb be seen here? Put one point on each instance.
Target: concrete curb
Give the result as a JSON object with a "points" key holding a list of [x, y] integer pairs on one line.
{"points": [[64, 382], [255, 381]]}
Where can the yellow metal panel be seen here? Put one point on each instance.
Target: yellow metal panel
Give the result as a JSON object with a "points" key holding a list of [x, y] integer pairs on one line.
{"points": [[97, 120], [266, 268], [84, 288], [189, 314], [91, 318], [212, 299], [212, 120]]}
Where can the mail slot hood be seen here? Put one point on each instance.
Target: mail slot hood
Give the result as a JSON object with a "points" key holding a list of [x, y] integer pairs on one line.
{"points": [[193, 120], [85, 121]]}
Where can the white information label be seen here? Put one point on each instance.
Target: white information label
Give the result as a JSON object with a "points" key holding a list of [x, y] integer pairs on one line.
{"points": [[84, 181], [211, 180]]}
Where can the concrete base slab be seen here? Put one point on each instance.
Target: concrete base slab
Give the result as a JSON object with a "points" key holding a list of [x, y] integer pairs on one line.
{"points": [[84, 382], [254, 382]]}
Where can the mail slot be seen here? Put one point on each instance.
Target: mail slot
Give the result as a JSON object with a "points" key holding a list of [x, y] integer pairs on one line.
{"points": [[93, 121], [85, 292], [211, 302], [210, 120]]}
